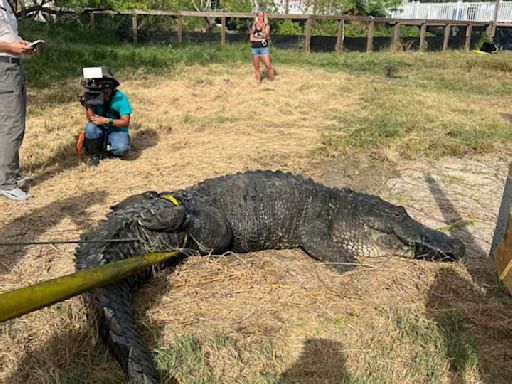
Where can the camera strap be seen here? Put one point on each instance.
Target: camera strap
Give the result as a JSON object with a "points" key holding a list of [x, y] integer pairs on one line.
{"points": [[107, 107]]}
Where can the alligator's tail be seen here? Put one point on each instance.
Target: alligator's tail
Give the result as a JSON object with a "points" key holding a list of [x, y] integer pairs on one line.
{"points": [[112, 304], [116, 324]]}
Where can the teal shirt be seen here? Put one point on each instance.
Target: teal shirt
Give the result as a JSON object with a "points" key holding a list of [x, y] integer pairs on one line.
{"points": [[119, 106]]}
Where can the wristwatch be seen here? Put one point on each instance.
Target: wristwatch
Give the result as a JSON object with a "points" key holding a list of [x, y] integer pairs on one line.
{"points": [[110, 121]]}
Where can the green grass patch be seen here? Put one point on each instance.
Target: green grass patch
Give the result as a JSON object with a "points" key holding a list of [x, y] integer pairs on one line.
{"points": [[413, 123], [457, 226], [214, 358], [437, 342]]}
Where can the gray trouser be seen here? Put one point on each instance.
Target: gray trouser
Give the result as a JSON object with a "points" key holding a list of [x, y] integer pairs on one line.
{"points": [[13, 104]]}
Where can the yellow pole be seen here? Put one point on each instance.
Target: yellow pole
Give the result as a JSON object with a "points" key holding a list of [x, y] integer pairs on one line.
{"points": [[24, 300]]}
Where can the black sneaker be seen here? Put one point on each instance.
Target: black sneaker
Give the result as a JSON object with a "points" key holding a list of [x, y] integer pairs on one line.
{"points": [[95, 161]]}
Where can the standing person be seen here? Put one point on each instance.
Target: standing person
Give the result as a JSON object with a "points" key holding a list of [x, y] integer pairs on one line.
{"points": [[13, 103], [259, 37], [107, 127]]}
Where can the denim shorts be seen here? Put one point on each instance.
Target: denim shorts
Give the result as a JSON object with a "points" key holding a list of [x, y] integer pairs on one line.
{"points": [[259, 51]]}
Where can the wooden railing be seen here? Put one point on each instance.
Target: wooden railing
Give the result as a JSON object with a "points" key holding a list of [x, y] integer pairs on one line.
{"points": [[371, 22]]}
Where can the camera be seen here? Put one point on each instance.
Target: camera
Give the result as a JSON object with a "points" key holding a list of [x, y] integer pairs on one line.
{"points": [[95, 80], [93, 94]]}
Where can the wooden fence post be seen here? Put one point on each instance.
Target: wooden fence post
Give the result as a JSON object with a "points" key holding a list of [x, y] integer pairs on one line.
{"points": [[92, 21], [497, 5], [340, 38], [134, 27], [396, 38], [423, 32], [309, 27], [371, 29], [501, 246], [490, 31], [179, 29], [223, 31], [446, 37], [467, 43]]}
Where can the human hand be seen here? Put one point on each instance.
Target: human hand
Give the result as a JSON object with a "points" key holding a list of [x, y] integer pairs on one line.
{"points": [[99, 120], [19, 47]]}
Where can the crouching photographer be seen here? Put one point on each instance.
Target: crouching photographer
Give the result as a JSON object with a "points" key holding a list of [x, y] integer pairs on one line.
{"points": [[108, 114]]}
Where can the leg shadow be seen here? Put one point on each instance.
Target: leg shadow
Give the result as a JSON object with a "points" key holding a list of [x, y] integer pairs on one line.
{"points": [[321, 362], [475, 328], [141, 140], [32, 225], [476, 260]]}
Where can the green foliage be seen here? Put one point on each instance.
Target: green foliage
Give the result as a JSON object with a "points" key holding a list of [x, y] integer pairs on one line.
{"points": [[237, 5], [353, 7], [325, 28], [107, 4], [288, 27], [226, 5]]}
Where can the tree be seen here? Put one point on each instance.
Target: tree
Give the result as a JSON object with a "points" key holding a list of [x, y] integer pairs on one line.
{"points": [[353, 7]]}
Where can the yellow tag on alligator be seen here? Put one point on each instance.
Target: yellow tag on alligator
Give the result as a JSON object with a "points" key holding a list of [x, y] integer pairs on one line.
{"points": [[171, 198]]}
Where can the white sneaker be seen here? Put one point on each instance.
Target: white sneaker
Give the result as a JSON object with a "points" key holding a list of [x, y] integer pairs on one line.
{"points": [[15, 194]]}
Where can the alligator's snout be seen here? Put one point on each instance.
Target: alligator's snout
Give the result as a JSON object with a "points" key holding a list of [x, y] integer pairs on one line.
{"points": [[439, 247]]}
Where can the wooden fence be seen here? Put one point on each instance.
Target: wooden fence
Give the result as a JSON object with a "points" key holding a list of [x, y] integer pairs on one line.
{"points": [[371, 22]]}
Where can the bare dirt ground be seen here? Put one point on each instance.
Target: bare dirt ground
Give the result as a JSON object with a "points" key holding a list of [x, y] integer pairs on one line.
{"points": [[321, 326]]}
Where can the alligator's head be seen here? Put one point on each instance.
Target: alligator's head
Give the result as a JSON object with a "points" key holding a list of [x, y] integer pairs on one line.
{"points": [[389, 226]]}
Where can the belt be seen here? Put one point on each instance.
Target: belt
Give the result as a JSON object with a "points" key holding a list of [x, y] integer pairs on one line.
{"points": [[9, 59]]}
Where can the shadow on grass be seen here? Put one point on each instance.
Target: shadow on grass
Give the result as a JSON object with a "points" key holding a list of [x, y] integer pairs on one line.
{"points": [[321, 362], [473, 316], [63, 359], [475, 327], [476, 260], [141, 140], [32, 225], [66, 158]]}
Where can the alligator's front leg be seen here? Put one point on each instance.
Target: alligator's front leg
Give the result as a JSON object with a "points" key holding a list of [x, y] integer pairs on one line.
{"points": [[315, 240], [209, 229]]}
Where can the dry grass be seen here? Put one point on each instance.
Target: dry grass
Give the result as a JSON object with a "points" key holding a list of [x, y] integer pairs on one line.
{"points": [[268, 317]]}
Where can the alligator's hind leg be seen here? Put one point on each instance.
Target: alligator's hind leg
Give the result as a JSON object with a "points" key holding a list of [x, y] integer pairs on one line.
{"points": [[316, 242]]}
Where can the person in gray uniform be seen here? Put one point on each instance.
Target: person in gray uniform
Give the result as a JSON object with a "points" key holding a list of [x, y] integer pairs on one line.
{"points": [[13, 103]]}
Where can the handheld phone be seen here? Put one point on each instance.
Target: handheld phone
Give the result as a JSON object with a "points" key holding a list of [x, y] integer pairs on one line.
{"points": [[35, 43]]}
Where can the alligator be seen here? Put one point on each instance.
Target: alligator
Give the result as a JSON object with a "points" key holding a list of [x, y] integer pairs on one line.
{"points": [[244, 212]]}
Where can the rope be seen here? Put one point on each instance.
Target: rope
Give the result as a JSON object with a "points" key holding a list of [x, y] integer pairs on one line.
{"points": [[122, 240]]}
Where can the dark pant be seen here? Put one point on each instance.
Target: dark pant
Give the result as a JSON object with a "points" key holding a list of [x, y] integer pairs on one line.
{"points": [[118, 142]]}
